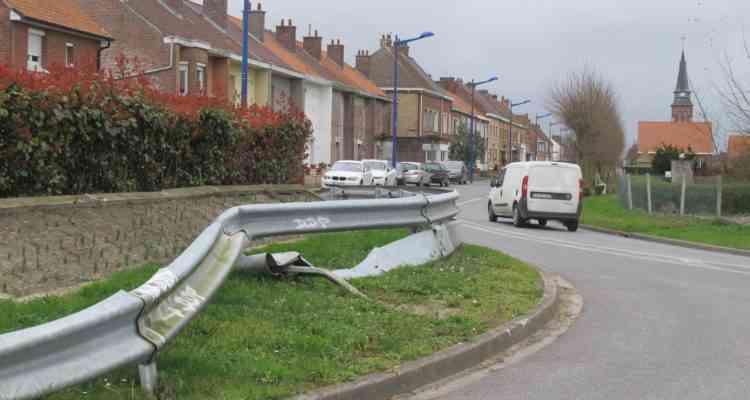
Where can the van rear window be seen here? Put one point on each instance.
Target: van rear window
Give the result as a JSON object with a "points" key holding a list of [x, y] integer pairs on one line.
{"points": [[553, 176]]}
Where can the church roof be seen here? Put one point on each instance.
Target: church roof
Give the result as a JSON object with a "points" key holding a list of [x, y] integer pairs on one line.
{"points": [[696, 135], [683, 85]]}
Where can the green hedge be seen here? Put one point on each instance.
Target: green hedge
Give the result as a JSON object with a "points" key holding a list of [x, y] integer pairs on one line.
{"points": [[106, 140]]}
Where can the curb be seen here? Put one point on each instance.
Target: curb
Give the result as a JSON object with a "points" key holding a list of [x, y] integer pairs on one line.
{"points": [[415, 374], [674, 242]]}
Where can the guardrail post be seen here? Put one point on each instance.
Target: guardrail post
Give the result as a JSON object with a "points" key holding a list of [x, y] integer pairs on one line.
{"points": [[630, 192], [682, 195], [648, 193], [148, 376], [719, 187]]}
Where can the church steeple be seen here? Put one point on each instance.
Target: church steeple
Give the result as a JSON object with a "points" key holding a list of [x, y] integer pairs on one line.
{"points": [[682, 107]]}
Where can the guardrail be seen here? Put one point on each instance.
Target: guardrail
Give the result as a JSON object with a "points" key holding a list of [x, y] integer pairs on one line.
{"points": [[131, 328]]}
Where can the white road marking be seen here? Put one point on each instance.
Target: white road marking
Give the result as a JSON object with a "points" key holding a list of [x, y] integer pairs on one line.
{"points": [[680, 261], [471, 201]]}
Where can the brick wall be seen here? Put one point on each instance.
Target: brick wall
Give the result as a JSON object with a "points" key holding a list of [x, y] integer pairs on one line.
{"points": [[194, 56], [85, 50], [361, 150], [50, 243], [19, 45], [408, 114], [5, 35]]}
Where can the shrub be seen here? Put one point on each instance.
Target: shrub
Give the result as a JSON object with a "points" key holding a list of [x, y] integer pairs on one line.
{"points": [[77, 131]]}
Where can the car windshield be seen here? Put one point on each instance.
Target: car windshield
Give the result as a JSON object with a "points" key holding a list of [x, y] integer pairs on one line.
{"points": [[376, 165], [407, 167], [454, 165], [347, 167], [434, 167]]}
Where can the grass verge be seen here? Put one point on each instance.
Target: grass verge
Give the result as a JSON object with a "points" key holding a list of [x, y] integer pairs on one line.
{"points": [[606, 212], [263, 338]]}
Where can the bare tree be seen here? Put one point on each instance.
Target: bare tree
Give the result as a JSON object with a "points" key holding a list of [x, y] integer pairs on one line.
{"points": [[735, 92], [587, 104]]}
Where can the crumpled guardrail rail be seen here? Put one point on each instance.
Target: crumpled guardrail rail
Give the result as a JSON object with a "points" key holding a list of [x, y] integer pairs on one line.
{"points": [[130, 328]]}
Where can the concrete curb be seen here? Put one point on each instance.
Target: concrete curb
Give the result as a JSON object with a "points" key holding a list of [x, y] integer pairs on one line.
{"points": [[674, 242], [419, 373]]}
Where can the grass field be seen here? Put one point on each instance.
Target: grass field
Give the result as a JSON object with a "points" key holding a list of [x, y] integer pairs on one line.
{"points": [[606, 212], [263, 338]]}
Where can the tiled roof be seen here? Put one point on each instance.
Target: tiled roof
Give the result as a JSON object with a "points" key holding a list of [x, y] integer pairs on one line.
{"points": [[411, 74], [350, 76], [696, 135], [738, 145], [63, 13]]}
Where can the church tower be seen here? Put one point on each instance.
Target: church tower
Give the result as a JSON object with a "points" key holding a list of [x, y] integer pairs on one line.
{"points": [[682, 107]]}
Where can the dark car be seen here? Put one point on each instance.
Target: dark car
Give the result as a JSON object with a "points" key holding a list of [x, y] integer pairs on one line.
{"points": [[440, 174], [457, 171]]}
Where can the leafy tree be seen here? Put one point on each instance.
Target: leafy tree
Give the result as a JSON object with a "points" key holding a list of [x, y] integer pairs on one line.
{"points": [[459, 150], [666, 153]]}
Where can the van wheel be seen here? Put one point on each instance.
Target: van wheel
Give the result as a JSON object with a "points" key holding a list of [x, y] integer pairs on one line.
{"points": [[491, 212], [518, 222], [572, 226], [542, 222]]}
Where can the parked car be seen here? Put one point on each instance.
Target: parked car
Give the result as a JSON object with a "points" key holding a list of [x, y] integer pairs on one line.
{"points": [[438, 174], [457, 171], [539, 190], [348, 173], [413, 173], [382, 173]]}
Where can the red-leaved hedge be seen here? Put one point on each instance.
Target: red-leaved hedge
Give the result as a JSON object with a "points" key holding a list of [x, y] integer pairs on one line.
{"points": [[72, 131]]}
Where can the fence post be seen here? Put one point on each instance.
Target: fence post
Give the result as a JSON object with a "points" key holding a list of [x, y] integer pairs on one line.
{"points": [[648, 193], [682, 195], [630, 192], [148, 377], [719, 187]]}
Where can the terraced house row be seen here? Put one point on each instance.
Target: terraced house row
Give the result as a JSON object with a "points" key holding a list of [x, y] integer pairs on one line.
{"points": [[188, 47]]}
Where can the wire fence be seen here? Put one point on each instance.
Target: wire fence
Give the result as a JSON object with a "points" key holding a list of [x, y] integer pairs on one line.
{"points": [[709, 196]]}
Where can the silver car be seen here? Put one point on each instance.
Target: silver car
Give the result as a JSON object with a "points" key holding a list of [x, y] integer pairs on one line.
{"points": [[413, 173]]}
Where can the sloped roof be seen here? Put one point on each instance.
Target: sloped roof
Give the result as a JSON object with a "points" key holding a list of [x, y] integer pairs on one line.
{"points": [[411, 74], [696, 135], [350, 76], [739, 145], [63, 13]]}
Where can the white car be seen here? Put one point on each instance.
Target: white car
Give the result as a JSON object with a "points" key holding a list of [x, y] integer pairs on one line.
{"points": [[539, 190], [382, 173], [348, 173]]}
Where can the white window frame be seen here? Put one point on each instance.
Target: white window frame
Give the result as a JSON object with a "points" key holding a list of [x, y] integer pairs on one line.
{"points": [[183, 71], [200, 75], [70, 54], [40, 62]]}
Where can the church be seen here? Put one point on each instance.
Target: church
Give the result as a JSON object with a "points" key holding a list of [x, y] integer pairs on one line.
{"points": [[681, 131]]}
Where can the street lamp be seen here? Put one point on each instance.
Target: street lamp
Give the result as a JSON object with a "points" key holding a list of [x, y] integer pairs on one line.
{"points": [[542, 116], [472, 160], [245, 50], [510, 131], [394, 113]]}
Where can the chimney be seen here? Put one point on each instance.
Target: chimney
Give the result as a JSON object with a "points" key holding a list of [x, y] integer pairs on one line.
{"points": [[336, 52], [313, 45], [364, 62], [258, 22], [484, 92], [287, 35], [448, 83], [386, 41], [217, 11]]}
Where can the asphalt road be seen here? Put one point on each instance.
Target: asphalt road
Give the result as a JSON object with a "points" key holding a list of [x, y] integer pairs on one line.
{"points": [[658, 322]]}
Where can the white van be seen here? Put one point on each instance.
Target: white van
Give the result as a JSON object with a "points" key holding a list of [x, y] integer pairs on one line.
{"points": [[539, 190]]}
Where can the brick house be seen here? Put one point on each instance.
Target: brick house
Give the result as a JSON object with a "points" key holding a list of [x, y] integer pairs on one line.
{"points": [[424, 109], [37, 34], [190, 48], [681, 131], [521, 124], [347, 110], [539, 146]]}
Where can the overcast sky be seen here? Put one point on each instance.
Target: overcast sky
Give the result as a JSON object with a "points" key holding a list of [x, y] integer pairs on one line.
{"points": [[531, 44]]}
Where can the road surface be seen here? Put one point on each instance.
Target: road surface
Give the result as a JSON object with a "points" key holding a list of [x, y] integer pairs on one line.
{"points": [[658, 322]]}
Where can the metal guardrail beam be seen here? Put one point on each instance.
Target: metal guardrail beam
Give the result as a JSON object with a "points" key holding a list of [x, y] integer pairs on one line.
{"points": [[130, 328]]}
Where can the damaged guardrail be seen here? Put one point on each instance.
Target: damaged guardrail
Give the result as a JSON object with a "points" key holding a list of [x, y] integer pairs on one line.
{"points": [[132, 327]]}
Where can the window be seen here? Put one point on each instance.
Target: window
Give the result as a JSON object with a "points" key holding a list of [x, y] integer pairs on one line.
{"points": [[429, 156], [70, 54], [443, 156], [431, 120], [200, 75], [183, 76], [34, 58]]}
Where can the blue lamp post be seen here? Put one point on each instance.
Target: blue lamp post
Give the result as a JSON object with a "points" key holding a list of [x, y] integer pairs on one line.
{"points": [[245, 50], [472, 156], [394, 113], [510, 131], [542, 116]]}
